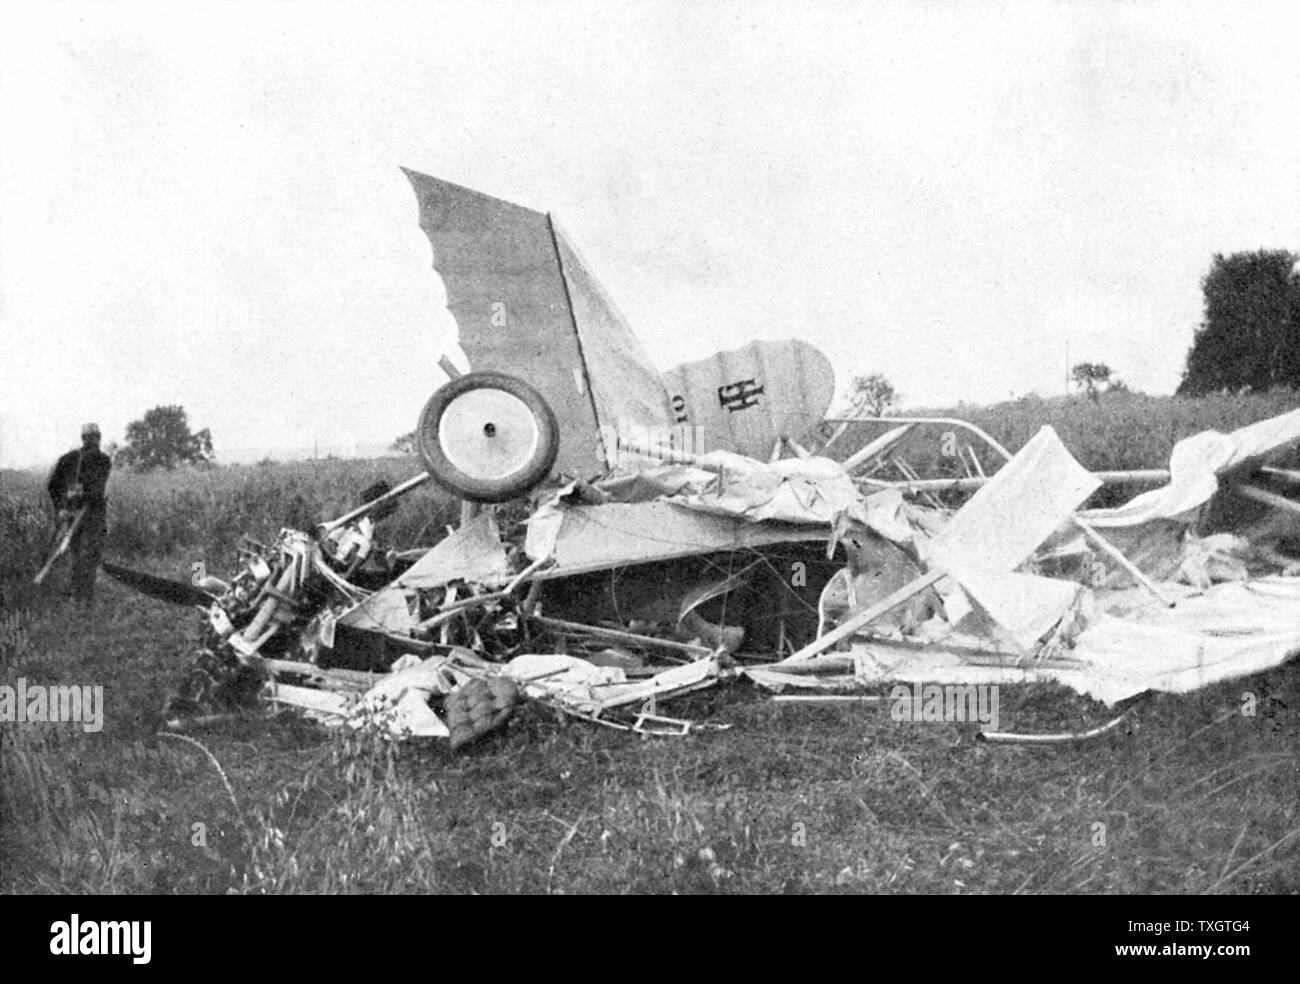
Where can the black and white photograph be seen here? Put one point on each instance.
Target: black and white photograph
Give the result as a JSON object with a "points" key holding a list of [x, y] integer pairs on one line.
{"points": [[578, 447]]}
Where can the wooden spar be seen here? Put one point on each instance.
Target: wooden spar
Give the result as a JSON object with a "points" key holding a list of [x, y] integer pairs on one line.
{"points": [[643, 640], [799, 450], [948, 421], [847, 629], [1257, 494], [970, 472], [450, 609], [1286, 474], [349, 679], [1119, 558], [839, 432], [365, 508], [526, 574], [837, 663], [670, 455], [876, 448], [911, 475], [1144, 476]]}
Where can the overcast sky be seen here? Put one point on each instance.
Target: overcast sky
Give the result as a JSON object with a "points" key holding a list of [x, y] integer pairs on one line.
{"points": [[201, 203]]}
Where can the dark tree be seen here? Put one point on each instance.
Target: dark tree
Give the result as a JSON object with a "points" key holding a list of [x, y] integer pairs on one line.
{"points": [[1089, 375], [405, 444], [162, 439], [874, 393], [1250, 338]]}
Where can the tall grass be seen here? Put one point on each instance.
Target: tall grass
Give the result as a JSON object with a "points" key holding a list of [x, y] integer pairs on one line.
{"points": [[1117, 432], [45, 804], [1123, 431], [202, 512]]}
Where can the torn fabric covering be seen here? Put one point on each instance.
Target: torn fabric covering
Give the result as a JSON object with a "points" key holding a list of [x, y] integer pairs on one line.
{"points": [[404, 716], [812, 490], [569, 680], [384, 611], [472, 553], [797, 490], [1195, 466], [1026, 606], [1002, 525], [1019, 508], [791, 500], [587, 689], [645, 484], [1232, 630], [745, 399], [526, 304], [401, 699], [791, 490], [592, 538]]}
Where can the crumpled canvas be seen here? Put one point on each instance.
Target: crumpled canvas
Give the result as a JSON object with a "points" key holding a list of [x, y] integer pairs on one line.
{"points": [[1195, 466], [1232, 630], [791, 490], [398, 702], [1002, 524], [788, 500]]}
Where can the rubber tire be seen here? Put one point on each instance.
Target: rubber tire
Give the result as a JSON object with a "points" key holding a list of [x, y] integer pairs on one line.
{"points": [[510, 486]]}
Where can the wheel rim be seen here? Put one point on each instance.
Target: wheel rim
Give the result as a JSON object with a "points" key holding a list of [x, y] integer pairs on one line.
{"points": [[488, 434]]}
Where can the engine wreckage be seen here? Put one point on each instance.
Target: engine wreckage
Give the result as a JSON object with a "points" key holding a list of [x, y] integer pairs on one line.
{"points": [[630, 536]]}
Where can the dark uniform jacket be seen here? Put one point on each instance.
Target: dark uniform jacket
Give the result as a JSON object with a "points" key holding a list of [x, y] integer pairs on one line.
{"points": [[87, 468]]}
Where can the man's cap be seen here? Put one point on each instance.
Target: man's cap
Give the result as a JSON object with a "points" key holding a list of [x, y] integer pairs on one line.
{"points": [[88, 429]]}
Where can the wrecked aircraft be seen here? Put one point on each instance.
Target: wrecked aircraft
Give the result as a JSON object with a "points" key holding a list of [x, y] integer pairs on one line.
{"points": [[629, 536]]}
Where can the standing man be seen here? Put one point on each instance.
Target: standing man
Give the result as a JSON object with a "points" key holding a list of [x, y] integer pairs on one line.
{"points": [[79, 481]]}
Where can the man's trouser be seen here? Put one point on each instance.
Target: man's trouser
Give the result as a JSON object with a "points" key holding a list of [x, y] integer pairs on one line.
{"points": [[87, 547]]}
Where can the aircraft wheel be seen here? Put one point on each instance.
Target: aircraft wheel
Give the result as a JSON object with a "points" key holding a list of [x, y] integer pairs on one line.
{"points": [[488, 437]]}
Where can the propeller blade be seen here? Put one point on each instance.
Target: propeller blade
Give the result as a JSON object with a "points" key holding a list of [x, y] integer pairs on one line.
{"points": [[164, 589]]}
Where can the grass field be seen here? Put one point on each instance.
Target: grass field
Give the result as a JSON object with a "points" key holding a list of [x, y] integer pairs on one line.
{"points": [[1119, 432], [1193, 796], [200, 513]]}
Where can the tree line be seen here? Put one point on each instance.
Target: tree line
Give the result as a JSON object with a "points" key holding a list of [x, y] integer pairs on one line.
{"points": [[1249, 338]]}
